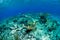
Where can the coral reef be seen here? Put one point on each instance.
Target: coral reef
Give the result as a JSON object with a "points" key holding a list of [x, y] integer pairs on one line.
{"points": [[30, 27]]}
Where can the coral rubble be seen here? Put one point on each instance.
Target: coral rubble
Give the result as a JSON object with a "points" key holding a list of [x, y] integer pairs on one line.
{"points": [[30, 27]]}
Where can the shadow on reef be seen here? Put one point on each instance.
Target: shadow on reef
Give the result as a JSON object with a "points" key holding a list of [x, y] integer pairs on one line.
{"points": [[29, 26]]}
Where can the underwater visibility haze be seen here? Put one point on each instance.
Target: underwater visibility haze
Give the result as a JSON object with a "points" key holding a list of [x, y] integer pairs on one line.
{"points": [[10, 8], [29, 19]]}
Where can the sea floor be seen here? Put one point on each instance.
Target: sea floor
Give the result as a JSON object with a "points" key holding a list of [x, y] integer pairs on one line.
{"points": [[39, 26]]}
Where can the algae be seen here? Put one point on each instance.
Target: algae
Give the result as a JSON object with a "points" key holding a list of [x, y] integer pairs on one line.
{"points": [[30, 27]]}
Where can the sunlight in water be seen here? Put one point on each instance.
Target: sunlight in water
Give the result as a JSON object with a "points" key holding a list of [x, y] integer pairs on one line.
{"points": [[1, 1], [4, 3]]}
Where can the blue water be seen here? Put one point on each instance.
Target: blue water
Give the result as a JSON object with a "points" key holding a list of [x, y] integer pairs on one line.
{"points": [[18, 6]]}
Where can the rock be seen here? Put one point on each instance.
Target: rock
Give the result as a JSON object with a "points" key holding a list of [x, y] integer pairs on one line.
{"points": [[30, 27]]}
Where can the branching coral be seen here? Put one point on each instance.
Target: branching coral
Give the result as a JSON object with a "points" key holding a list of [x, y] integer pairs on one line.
{"points": [[30, 27]]}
